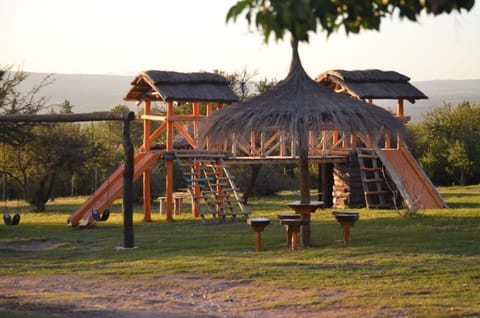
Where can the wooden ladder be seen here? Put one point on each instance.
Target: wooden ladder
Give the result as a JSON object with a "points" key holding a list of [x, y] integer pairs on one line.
{"points": [[213, 189], [373, 179]]}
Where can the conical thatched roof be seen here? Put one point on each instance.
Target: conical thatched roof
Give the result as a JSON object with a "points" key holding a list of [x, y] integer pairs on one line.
{"points": [[175, 86], [298, 104], [372, 84]]}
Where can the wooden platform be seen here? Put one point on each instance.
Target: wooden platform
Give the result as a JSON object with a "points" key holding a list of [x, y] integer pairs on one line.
{"points": [[247, 160]]}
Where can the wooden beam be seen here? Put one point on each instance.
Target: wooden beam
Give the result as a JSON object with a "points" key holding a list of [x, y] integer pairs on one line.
{"points": [[50, 118]]}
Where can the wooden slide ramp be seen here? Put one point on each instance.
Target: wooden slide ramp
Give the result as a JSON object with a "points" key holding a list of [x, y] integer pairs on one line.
{"points": [[112, 188], [411, 181]]}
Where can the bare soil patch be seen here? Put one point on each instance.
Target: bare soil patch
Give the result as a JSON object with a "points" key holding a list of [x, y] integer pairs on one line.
{"points": [[73, 296], [32, 245]]}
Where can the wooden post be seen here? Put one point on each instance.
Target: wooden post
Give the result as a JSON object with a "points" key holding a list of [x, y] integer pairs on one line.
{"points": [[128, 238], [400, 108], [147, 207], [195, 113], [196, 190], [252, 144], [283, 148], [400, 114], [169, 163], [208, 113]]}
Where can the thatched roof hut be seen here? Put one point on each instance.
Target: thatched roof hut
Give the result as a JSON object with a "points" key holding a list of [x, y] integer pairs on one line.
{"points": [[182, 87], [298, 105], [371, 84]]}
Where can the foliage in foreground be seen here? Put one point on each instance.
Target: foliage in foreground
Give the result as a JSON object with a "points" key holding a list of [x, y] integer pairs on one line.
{"points": [[412, 266]]}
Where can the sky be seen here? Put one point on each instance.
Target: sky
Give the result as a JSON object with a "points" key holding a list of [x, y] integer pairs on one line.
{"points": [[120, 37]]}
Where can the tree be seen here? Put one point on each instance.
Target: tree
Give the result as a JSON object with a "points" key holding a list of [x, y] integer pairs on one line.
{"points": [[300, 17], [66, 107], [59, 150], [446, 144], [14, 102]]}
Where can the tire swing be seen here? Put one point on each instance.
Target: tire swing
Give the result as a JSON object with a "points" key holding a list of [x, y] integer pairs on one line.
{"points": [[7, 218]]}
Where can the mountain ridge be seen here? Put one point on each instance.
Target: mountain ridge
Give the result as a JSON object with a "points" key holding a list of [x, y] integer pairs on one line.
{"points": [[101, 92]]}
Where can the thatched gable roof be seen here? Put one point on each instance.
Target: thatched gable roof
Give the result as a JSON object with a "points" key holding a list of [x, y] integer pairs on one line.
{"points": [[185, 87], [371, 84]]}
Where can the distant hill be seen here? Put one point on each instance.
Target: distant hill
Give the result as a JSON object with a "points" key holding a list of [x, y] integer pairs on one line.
{"points": [[88, 93], [439, 92]]}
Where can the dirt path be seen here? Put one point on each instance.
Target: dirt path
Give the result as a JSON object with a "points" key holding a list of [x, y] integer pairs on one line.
{"points": [[162, 297]]}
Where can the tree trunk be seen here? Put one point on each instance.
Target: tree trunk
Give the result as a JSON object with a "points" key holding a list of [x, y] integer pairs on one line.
{"points": [[304, 171], [255, 169]]}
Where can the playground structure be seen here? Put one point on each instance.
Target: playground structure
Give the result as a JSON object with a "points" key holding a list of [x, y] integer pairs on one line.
{"points": [[361, 172]]}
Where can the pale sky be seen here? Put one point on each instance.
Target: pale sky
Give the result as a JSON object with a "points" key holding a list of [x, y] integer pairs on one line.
{"points": [[126, 37]]}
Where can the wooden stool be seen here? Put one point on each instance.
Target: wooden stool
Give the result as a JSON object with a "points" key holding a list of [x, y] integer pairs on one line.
{"points": [[258, 224], [306, 209], [293, 227], [291, 216], [163, 204], [346, 220], [178, 204]]}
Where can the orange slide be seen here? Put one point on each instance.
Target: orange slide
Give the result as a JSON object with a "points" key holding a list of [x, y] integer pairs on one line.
{"points": [[413, 184], [112, 188]]}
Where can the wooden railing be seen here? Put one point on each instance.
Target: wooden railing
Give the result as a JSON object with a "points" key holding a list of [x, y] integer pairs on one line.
{"points": [[271, 144]]}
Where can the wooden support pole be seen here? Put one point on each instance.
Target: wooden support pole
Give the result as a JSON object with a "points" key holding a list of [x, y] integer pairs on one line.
{"points": [[400, 114], [400, 108], [128, 237], [147, 200], [169, 163], [208, 113], [147, 207], [196, 190], [196, 113]]}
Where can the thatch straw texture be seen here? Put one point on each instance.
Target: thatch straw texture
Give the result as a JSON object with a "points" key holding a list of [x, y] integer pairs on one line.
{"points": [[298, 104], [372, 84], [185, 87]]}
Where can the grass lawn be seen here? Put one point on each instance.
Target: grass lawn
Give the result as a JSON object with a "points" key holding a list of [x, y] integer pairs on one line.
{"points": [[425, 265]]}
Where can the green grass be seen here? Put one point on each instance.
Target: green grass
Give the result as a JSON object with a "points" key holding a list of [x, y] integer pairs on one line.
{"points": [[424, 265]]}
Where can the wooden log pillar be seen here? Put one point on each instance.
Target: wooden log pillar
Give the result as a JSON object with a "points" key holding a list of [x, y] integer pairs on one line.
{"points": [[283, 148], [252, 144], [400, 114], [147, 201], [208, 113], [169, 163], [195, 113], [219, 147], [196, 190], [127, 206]]}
